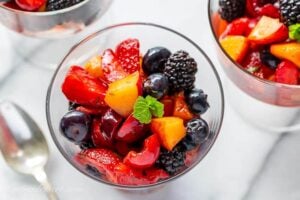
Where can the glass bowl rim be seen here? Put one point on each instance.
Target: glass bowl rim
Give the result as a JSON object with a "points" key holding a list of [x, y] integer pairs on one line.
{"points": [[48, 13], [268, 82], [97, 33]]}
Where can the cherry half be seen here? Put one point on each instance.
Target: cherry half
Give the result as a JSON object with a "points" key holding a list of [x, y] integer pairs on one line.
{"points": [[147, 157]]}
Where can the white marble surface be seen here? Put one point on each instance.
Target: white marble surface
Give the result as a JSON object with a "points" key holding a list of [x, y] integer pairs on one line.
{"points": [[243, 164]]}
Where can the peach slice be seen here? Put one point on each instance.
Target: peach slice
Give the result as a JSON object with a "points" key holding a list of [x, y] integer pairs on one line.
{"points": [[288, 51], [236, 46], [170, 130], [122, 94]]}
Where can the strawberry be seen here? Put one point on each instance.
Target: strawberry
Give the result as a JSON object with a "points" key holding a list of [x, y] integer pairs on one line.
{"points": [[267, 31], [30, 5], [104, 160], [128, 55], [111, 68], [110, 165], [287, 73], [81, 88], [256, 8], [254, 65], [147, 157], [236, 27]]}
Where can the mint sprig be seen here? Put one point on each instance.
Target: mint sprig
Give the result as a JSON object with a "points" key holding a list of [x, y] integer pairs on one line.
{"points": [[294, 32], [145, 108]]}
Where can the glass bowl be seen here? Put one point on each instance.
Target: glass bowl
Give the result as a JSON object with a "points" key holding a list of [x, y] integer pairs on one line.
{"points": [[47, 36], [53, 24], [266, 104], [150, 35]]}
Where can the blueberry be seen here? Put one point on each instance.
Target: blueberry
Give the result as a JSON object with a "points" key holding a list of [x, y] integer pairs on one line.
{"points": [[197, 133], [156, 85], [75, 126], [197, 101], [155, 59], [268, 59]]}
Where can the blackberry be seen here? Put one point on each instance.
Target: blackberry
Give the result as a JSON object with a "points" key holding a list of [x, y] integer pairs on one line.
{"points": [[197, 132], [231, 9], [172, 161], [60, 4], [180, 69], [290, 11]]}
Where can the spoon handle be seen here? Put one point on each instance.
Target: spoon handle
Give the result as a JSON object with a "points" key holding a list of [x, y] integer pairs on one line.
{"points": [[41, 176]]}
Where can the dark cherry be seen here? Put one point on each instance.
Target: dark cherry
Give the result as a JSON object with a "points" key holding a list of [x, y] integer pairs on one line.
{"points": [[110, 122], [132, 130], [105, 129], [75, 126]]}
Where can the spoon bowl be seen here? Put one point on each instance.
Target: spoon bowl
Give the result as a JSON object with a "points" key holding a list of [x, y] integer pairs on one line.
{"points": [[23, 144]]}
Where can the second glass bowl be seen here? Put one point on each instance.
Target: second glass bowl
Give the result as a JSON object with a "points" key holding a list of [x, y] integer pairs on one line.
{"points": [[53, 24], [149, 35], [268, 105]]}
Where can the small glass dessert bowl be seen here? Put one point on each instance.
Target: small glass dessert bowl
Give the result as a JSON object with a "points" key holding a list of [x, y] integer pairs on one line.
{"points": [[118, 114], [257, 46], [51, 19]]}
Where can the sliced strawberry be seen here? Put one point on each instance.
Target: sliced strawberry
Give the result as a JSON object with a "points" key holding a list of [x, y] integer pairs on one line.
{"points": [[147, 157], [154, 175], [112, 70], [256, 8], [287, 72], [30, 5], [236, 27], [126, 175], [104, 160], [81, 88], [128, 55], [111, 167], [254, 65]]}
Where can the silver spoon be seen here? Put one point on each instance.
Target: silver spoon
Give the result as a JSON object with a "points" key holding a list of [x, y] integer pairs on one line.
{"points": [[23, 145]]}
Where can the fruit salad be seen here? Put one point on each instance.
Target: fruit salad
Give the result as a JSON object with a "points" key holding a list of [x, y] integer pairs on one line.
{"points": [[41, 5], [262, 36], [136, 118]]}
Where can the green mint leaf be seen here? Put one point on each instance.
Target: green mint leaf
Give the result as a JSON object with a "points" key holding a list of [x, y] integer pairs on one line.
{"points": [[156, 108], [294, 31], [141, 111], [145, 108], [252, 69]]}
